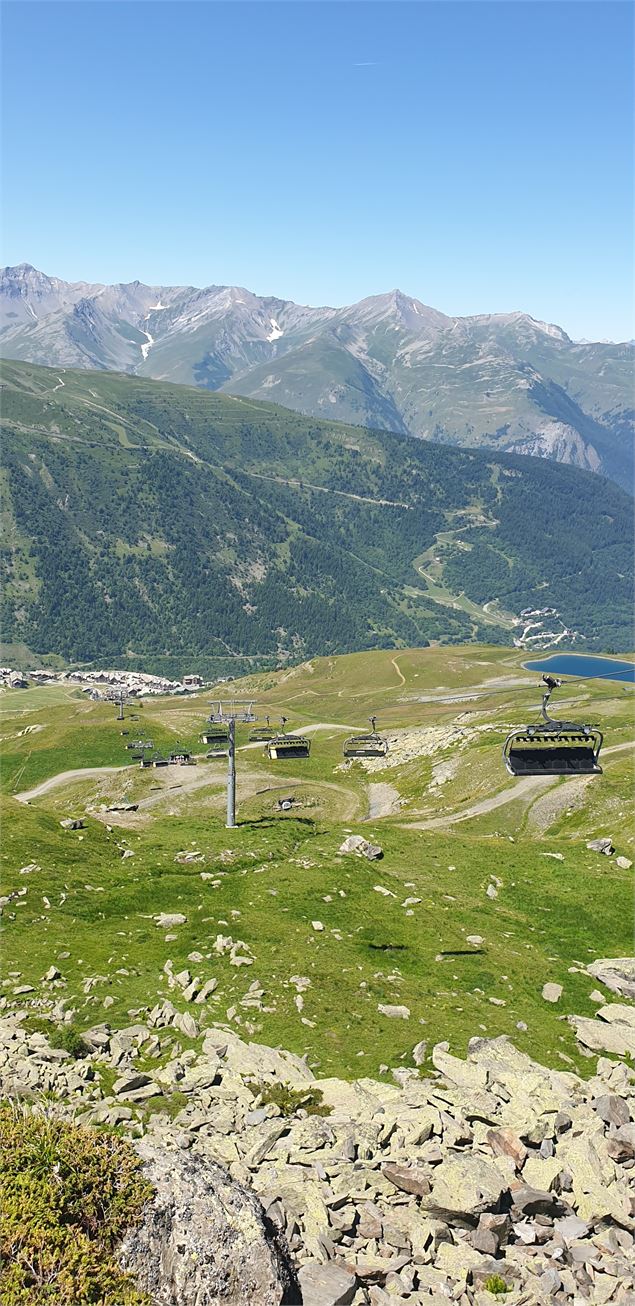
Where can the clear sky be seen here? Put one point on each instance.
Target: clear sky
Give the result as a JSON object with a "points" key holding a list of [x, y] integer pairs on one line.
{"points": [[477, 155]]}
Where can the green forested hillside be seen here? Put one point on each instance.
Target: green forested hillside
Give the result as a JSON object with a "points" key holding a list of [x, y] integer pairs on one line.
{"points": [[142, 518]]}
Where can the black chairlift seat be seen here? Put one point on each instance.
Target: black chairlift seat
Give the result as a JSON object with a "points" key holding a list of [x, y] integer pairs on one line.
{"points": [[282, 746], [370, 744], [553, 752], [555, 747], [261, 734], [365, 746], [216, 736]]}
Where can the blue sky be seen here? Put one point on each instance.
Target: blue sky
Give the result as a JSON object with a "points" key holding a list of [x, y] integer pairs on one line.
{"points": [[477, 155]]}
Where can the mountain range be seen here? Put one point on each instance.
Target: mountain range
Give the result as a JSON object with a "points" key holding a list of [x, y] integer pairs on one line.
{"points": [[390, 362], [186, 530]]}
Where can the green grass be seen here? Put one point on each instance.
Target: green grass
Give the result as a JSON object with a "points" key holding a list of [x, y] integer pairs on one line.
{"points": [[275, 874]]}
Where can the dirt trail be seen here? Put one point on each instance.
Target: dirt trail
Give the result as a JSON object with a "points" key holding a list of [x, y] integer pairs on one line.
{"points": [[64, 777], [383, 800], [395, 664], [522, 789]]}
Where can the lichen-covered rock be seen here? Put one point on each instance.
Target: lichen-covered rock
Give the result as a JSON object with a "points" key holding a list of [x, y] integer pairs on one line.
{"points": [[204, 1238], [617, 973]]}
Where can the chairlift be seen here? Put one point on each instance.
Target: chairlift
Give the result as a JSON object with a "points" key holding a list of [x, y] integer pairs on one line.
{"points": [[262, 734], [283, 745], [216, 737], [553, 747], [368, 745]]}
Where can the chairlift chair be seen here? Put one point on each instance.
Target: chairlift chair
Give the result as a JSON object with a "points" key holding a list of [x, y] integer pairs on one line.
{"points": [[283, 745], [262, 734], [368, 745], [216, 737], [553, 747]]}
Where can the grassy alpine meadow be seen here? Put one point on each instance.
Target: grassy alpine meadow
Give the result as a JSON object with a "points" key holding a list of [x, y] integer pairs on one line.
{"points": [[468, 853]]}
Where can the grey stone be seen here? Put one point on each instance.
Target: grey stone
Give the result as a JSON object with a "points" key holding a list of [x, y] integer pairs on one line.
{"points": [[616, 973], [571, 1228], [601, 1036], [355, 843], [601, 846], [410, 1179], [128, 1083], [204, 1238], [552, 992], [531, 1201], [465, 1186], [550, 1282], [612, 1110], [326, 1285]]}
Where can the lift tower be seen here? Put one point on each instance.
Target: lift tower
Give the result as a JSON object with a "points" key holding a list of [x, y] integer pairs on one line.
{"points": [[228, 713], [121, 697]]}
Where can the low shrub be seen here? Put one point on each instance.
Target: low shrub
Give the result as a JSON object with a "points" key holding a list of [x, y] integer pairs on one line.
{"points": [[67, 1196], [289, 1100], [496, 1285], [70, 1040]]}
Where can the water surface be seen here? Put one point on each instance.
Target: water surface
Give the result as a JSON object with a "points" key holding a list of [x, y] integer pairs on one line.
{"points": [[582, 664]]}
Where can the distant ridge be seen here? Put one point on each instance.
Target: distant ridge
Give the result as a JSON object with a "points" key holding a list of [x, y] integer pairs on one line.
{"points": [[150, 520], [503, 380]]}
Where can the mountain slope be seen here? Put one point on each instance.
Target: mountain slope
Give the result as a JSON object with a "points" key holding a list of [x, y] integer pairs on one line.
{"points": [[147, 518], [500, 380]]}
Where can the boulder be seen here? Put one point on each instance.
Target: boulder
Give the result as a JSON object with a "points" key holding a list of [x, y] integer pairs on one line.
{"points": [[167, 919], [326, 1285], [552, 992], [355, 843], [602, 1036], [408, 1179], [601, 846], [465, 1186], [72, 824], [616, 973], [205, 1239]]}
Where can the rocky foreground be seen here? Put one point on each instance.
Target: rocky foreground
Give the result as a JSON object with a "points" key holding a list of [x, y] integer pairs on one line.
{"points": [[496, 1175]]}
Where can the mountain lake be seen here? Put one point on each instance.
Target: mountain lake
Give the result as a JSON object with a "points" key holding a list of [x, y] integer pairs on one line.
{"points": [[581, 664]]}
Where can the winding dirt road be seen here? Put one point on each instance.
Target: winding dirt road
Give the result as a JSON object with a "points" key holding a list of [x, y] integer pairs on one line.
{"points": [[526, 788], [63, 777]]}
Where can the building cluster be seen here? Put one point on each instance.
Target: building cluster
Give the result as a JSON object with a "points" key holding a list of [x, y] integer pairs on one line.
{"points": [[13, 679], [101, 684]]}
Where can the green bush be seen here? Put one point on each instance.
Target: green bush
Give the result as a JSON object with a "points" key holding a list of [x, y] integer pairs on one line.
{"points": [[495, 1284], [67, 1196], [289, 1100], [68, 1038]]}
